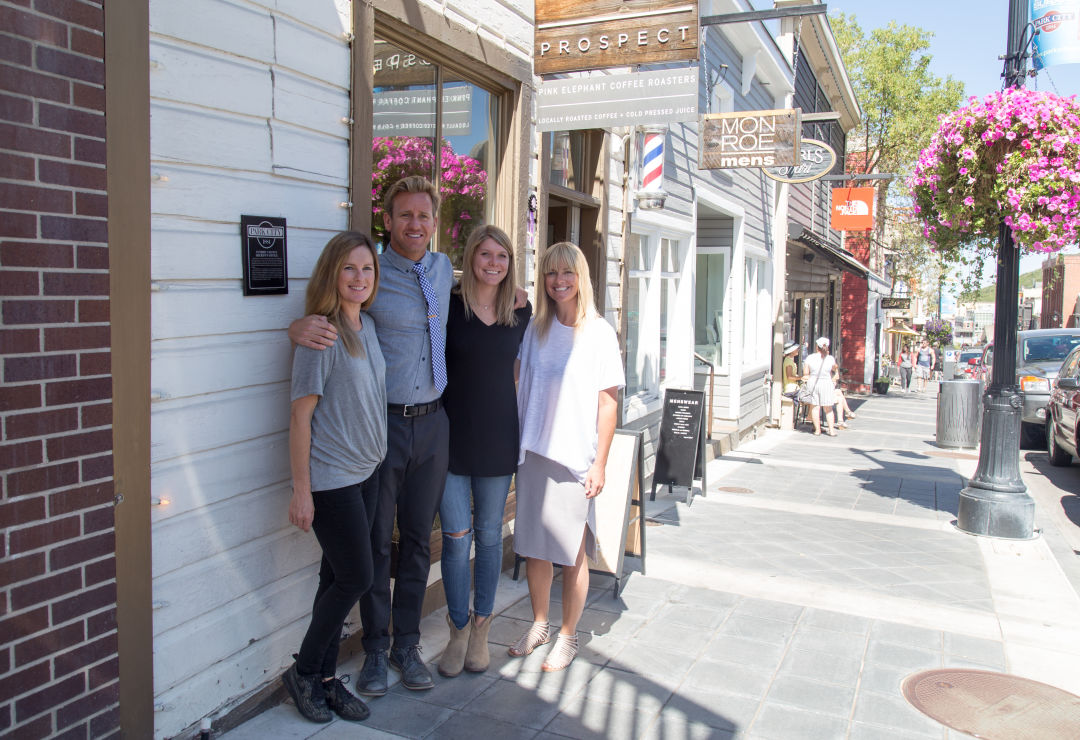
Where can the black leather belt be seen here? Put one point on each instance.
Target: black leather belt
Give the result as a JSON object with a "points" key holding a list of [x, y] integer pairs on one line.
{"points": [[413, 409]]}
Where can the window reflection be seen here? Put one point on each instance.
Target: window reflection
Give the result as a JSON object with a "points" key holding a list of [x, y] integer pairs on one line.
{"points": [[405, 124]]}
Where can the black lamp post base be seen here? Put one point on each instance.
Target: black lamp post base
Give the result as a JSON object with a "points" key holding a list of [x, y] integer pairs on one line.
{"points": [[995, 502], [1009, 516]]}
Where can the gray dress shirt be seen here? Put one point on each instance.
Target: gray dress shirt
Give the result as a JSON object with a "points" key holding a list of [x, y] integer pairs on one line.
{"points": [[400, 313]]}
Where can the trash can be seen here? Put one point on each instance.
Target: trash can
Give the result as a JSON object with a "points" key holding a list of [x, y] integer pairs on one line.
{"points": [[959, 413]]}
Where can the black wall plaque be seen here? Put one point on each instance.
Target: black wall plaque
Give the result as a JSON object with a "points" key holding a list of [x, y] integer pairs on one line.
{"points": [[262, 251], [680, 456]]}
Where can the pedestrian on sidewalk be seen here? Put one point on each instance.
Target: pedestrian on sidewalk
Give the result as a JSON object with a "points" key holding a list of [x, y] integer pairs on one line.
{"points": [[483, 336], [337, 438], [818, 376], [906, 361], [571, 371], [791, 380], [925, 360]]}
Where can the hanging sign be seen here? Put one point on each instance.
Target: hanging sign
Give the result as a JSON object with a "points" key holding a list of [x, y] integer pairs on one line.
{"points": [[896, 303], [759, 138], [1057, 38], [590, 34], [852, 209], [633, 99], [816, 158], [262, 252]]}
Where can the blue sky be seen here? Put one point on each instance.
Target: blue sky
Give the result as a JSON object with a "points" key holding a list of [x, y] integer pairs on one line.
{"points": [[969, 36]]}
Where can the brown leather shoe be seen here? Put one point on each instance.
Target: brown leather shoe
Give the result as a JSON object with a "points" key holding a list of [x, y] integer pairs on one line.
{"points": [[477, 657]]}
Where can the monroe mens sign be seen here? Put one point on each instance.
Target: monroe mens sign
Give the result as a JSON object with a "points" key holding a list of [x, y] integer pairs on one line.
{"points": [[636, 98], [589, 34], [758, 138]]}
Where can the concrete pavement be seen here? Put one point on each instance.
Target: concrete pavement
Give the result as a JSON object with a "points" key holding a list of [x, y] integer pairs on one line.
{"points": [[790, 602]]}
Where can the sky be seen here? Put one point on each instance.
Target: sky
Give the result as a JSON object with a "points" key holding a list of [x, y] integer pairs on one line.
{"points": [[969, 36]]}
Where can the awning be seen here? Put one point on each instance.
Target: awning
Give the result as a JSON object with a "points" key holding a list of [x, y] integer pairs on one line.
{"points": [[842, 258], [901, 328]]}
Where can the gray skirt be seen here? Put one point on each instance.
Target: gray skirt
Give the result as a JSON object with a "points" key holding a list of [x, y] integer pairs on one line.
{"points": [[552, 512]]}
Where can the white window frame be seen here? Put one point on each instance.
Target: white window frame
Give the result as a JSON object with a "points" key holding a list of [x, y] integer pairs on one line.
{"points": [[654, 227]]}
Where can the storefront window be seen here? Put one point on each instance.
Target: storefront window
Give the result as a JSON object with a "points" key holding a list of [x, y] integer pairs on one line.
{"points": [[567, 159], [652, 265], [416, 104], [709, 306]]}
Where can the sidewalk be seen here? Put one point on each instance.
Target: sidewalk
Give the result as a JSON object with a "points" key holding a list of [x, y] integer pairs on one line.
{"points": [[790, 602]]}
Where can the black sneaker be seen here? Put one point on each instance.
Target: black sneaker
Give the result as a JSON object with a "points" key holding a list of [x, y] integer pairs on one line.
{"points": [[414, 674], [308, 695], [371, 680], [344, 704]]}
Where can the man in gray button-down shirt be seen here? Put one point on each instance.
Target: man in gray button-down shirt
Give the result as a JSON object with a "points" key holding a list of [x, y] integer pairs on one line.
{"points": [[412, 476]]}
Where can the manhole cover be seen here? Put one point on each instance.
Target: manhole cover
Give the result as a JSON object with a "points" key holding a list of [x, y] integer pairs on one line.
{"points": [[734, 489], [994, 705]]}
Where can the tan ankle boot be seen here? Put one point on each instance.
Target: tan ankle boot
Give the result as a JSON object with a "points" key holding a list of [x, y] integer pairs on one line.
{"points": [[477, 659], [453, 657]]}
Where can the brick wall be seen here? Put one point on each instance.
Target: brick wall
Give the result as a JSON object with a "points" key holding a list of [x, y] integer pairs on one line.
{"points": [[58, 660], [853, 318]]}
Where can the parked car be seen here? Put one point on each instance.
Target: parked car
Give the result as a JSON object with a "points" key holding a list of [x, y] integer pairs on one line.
{"points": [[1063, 412], [968, 362], [1039, 354]]}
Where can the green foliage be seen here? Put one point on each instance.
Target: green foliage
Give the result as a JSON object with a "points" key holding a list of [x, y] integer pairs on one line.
{"points": [[890, 70], [987, 293], [901, 98]]}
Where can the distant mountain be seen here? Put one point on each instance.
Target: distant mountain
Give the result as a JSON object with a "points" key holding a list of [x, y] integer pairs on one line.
{"points": [[987, 293]]}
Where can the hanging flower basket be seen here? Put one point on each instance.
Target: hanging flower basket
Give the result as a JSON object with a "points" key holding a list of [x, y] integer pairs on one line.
{"points": [[1012, 156]]}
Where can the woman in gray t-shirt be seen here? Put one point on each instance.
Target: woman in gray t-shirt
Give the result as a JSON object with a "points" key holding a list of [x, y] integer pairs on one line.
{"points": [[337, 438]]}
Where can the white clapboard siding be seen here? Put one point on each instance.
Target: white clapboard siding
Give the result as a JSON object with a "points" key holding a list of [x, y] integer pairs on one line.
{"points": [[190, 425], [189, 74], [203, 136], [189, 309], [193, 366], [310, 154], [224, 683], [204, 479], [238, 28], [310, 104], [185, 249], [215, 195], [183, 595], [511, 25], [318, 54], [329, 16], [195, 646], [186, 539]]}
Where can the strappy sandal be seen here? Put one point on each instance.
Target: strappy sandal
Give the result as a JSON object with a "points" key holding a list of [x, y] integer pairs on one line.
{"points": [[562, 653], [533, 638]]}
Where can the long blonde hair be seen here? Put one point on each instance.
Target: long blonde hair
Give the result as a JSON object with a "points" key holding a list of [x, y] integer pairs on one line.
{"points": [[559, 256], [322, 293], [506, 292]]}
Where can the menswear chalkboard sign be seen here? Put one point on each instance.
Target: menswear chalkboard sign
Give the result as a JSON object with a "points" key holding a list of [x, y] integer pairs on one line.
{"points": [[680, 456]]}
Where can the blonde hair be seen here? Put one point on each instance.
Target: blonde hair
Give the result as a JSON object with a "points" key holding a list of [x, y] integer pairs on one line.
{"points": [[322, 293], [506, 292], [560, 256], [411, 184]]}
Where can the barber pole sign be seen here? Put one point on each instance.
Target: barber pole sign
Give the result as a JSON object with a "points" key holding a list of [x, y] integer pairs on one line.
{"points": [[652, 162], [650, 193]]}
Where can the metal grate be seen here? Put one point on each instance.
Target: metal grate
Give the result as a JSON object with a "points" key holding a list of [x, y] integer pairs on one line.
{"points": [[994, 706]]}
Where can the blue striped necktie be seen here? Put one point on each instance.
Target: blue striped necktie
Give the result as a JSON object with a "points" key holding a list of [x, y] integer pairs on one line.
{"points": [[438, 344]]}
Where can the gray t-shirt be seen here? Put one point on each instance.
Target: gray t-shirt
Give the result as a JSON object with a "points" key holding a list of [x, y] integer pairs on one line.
{"points": [[348, 428]]}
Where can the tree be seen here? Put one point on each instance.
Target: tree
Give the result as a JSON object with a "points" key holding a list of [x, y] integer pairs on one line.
{"points": [[901, 99]]}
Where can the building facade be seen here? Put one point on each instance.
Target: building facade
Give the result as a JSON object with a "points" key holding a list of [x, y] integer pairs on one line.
{"points": [[815, 258], [1060, 299]]}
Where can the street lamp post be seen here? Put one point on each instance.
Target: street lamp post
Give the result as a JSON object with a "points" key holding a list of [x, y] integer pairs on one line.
{"points": [[995, 501]]}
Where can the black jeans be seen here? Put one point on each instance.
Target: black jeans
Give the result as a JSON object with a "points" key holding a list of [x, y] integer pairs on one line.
{"points": [[411, 481], [341, 525]]}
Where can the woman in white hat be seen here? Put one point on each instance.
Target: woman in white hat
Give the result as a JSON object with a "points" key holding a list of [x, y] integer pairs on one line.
{"points": [[818, 372]]}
